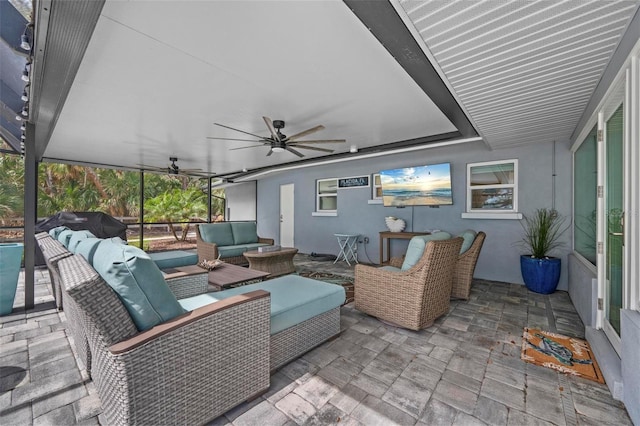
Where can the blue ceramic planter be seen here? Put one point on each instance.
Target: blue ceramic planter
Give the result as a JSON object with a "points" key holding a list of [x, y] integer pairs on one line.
{"points": [[10, 258], [540, 275]]}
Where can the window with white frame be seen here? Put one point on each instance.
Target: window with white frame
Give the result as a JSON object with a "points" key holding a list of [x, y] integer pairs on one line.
{"points": [[492, 187], [327, 195], [376, 188]]}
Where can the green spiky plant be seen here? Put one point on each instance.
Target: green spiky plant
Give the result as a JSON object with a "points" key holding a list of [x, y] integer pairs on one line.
{"points": [[542, 232]]}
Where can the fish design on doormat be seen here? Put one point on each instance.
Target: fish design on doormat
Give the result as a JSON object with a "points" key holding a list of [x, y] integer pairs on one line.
{"points": [[556, 350]]}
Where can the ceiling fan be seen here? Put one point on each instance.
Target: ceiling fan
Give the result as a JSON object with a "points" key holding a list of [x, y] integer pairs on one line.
{"points": [[279, 142], [172, 169]]}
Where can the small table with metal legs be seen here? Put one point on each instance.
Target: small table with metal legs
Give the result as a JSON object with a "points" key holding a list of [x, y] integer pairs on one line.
{"points": [[348, 248]]}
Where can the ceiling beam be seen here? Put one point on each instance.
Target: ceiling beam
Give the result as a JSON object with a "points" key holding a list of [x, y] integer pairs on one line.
{"points": [[384, 23], [63, 30]]}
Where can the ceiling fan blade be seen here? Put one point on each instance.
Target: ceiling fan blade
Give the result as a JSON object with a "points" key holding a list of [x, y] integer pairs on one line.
{"points": [[319, 141], [231, 139], [147, 167], [314, 148], [191, 173], [238, 130], [293, 151], [190, 170], [245, 147], [272, 129], [304, 133]]}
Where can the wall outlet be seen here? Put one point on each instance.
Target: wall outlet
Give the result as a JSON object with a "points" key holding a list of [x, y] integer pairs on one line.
{"points": [[366, 240]]}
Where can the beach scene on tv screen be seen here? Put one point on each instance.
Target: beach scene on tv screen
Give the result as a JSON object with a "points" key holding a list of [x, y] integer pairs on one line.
{"points": [[417, 186]]}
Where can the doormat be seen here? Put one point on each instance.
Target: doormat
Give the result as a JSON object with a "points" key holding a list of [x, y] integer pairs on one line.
{"points": [[345, 282], [565, 354]]}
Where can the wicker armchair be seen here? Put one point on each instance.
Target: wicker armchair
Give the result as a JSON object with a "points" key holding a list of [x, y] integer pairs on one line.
{"points": [[463, 275], [413, 298], [209, 251], [188, 370]]}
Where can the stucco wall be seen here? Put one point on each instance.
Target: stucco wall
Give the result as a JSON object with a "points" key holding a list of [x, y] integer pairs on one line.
{"points": [[583, 289], [499, 259]]}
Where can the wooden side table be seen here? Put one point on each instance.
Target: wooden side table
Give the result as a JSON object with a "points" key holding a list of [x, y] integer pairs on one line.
{"points": [[388, 235]]}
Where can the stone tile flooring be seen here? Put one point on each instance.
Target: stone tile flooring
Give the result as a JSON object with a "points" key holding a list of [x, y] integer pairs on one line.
{"points": [[464, 370]]}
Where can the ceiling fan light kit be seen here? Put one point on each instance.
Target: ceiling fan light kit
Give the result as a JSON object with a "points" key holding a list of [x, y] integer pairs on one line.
{"points": [[279, 142]]}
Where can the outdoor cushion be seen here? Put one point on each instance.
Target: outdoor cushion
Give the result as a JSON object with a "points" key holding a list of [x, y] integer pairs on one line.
{"points": [[244, 232], [64, 236], [417, 245], [391, 268], [217, 233], [294, 299], [468, 236], [138, 282], [237, 250], [54, 232], [77, 237], [87, 248], [173, 258]]}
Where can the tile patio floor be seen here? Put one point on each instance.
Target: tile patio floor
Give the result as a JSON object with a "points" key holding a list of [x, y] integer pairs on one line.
{"points": [[464, 370]]}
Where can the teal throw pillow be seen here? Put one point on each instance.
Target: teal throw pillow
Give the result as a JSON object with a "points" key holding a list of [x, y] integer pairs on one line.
{"points": [[64, 237], [56, 231], [77, 237], [138, 282], [468, 237], [244, 232], [417, 246], [87, 248]]}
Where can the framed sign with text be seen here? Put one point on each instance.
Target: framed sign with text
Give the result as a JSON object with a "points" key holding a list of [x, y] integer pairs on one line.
{"points": [[353, 182]]}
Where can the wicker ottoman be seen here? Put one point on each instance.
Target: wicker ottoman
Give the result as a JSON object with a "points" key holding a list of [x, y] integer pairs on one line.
{"points": [[304, 313]]}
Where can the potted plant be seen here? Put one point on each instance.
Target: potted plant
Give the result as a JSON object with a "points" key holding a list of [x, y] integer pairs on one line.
{"points": [[542, 232]]}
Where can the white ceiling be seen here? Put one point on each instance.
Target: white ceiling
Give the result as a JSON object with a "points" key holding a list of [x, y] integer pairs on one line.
{"points": [[157, 75]]}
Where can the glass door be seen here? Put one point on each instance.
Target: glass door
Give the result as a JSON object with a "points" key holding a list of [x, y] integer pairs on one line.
{"points": [[614, 216]]}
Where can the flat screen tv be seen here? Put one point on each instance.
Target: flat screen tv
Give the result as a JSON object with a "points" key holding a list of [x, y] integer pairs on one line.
{"points": [[428, 185]]}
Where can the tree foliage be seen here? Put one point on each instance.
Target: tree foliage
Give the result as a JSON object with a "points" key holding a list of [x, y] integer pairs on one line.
{"points": [[177, 205], [63, 187]]}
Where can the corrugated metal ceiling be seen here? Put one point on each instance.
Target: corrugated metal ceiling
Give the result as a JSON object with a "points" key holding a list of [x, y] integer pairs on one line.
{"points": [[523, 70]]}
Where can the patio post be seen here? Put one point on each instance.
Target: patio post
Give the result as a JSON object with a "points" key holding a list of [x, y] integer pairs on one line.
{"points": [[30, 215]]}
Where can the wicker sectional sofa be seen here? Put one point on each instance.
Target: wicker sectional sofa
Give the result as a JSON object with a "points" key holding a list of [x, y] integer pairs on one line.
{"points": [[188, 370], [228, 241], [202, 353]]}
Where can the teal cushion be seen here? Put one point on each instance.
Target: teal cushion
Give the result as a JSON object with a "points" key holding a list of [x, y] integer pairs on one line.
{"points": [[217, 233], [116, 240], [56, 231], [417, 245], [233, 251], [293, 299], [87, 248], [244, 232], [173, 258], [391, 268], [77, 237], [468, 237], [137, 280], [64, 237]]}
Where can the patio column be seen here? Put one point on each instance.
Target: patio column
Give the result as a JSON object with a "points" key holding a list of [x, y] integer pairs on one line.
{"points": [[30, 215]]}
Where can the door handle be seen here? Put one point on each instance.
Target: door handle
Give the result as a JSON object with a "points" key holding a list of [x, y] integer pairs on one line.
{"points": [[617, 234]]}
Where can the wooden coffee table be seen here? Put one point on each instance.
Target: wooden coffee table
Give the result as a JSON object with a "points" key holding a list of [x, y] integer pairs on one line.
{"points": [[275, 263], [227, 275]]}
